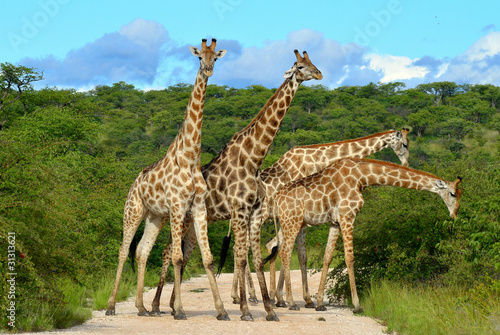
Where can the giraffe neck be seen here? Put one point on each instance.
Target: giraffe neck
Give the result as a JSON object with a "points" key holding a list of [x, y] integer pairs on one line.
{"points": [[256, 138], [378, 173], [303, 161], [188, 141]]}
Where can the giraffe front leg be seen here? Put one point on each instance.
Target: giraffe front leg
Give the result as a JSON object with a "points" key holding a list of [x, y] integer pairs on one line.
{"points": [[285, 255], [347, 235], [279, 289], [327, 259], [251, 288], [167, 259], [259, 266], [189, 242], [200, 224], [302, 254], [176, 223], [240, 251], [235, 286], [272, 269], [272, 279], [152, 228]]}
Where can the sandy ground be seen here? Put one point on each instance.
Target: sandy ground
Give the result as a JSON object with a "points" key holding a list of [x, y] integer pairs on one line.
{"points": [[199, 308]]}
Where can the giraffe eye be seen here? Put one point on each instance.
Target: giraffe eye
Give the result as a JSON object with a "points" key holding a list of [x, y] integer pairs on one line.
{"points": [[452, 194], [300, 67], [405, 145]]}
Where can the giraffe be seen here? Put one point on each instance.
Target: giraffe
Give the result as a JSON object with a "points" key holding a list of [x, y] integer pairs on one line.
{"points": [[335, 195], [166, 189], [235, 190], [303, 161]]}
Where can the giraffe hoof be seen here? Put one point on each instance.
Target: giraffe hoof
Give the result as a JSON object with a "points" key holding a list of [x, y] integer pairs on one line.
{"points": [[272, 317], [143, 313], [110, 312], [156, 313], [310, 305], [281, 304], [246, 317], [321, 308], [236, 301], [180, 317], [223, 317], [294, 307], [254, 300]]}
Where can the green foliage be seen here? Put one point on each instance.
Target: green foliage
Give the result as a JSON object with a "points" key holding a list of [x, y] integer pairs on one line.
{"points": [[67, 161], [435, 310]]}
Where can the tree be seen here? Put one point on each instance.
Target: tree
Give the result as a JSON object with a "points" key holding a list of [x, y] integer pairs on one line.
{"points": [[489, 93], [311, 98], [421, 120], [440, 90], [14, 81], [457, 128]]}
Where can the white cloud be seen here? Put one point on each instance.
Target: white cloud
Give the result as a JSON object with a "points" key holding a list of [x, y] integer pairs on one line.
{"points": [[479, 64], [148, 34], [395, 68], [486, 46]]}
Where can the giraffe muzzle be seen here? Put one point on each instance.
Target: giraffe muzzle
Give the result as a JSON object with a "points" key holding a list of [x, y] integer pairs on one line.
{"points": [[208, 70]]}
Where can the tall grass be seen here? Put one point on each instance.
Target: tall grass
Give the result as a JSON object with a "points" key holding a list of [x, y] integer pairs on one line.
{"points": [[435, 310], [75, 302], [70, 309]]}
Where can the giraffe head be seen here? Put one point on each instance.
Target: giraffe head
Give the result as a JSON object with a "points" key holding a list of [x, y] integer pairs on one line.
{"points": [[400, 145], [208, 56], [303, 69], [450, 193]]}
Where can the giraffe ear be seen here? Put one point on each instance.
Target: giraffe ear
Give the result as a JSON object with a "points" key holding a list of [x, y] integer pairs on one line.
{"points": [[441, 184], [220, 53], [195, 51], [398, 134], [290, 72]]}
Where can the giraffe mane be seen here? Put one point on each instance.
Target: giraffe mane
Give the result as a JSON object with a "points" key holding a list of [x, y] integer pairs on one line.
{"points": [[264, 109], [346, 141], [151, 166]]}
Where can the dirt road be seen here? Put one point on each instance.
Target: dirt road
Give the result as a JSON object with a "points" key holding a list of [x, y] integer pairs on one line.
{"points": [[199, 308]]}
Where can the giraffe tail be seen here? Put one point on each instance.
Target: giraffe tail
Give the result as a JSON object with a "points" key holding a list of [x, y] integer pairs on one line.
{"points": [[131, 252], [224, 250]]}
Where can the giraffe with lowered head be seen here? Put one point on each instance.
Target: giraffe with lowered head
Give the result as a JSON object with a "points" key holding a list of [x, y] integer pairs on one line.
{"points": [[166, 190], [334, 195], [303, 161], [235, 190]]}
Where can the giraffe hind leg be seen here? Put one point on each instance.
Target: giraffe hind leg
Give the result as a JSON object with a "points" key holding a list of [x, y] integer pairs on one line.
{"points": [[302, 253], [153, 226]]}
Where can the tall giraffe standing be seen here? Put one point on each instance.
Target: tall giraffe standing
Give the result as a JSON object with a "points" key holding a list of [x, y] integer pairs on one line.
{"points": [[235, 190], [335, 195], [166, 190], [303, 161]]}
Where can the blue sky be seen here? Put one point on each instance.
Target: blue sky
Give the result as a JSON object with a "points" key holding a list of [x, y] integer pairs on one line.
{"points": [[80, 44]]}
